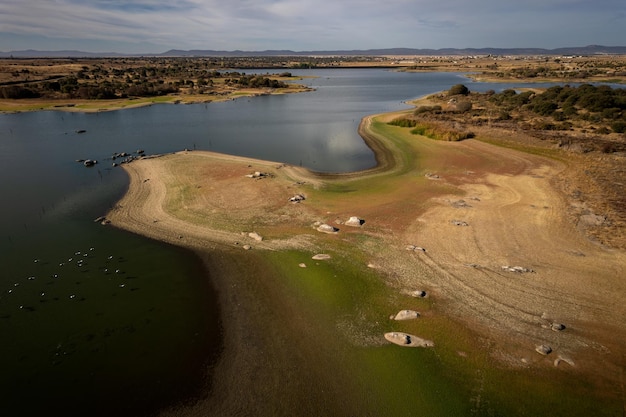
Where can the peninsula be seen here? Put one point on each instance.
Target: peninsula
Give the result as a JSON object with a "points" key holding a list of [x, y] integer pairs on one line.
{"points": [[485, 237]]}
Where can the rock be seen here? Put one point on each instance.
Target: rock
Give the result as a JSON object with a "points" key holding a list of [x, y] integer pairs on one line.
{"points": [[567, 360], [415, 248], [592, 220], [247, 247], [302, 265], [90, 162], [326, 228], [406, 315], [460, 204], [257, 174], [297, 198], [321, 257], [557, 327], [354, 221], [255, 236], [419, 294], [408, 340], [517, 269], [543, 349], [459, 223]]}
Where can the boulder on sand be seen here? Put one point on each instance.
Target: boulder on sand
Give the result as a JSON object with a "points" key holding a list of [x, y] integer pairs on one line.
{"points": [[355, 222], [326, 228], [408, 340], [406, 315]]}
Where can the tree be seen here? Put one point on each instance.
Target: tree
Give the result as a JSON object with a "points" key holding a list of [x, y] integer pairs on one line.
{"points": [[458, 89]]}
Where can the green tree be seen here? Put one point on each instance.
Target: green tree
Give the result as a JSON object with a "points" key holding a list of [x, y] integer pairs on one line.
{"points": [[458, 89]]}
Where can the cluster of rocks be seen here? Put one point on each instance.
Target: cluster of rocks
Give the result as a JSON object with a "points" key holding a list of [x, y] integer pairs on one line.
{"points": [[126, 158], [252, 235], [327, 228], [545, 349], [318, 257], [406, 339]]}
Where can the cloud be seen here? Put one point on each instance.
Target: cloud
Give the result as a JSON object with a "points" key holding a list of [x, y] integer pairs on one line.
{"points": [[311, 24]]}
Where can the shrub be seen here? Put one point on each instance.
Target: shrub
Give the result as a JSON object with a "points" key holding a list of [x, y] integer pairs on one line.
{"points": [[458, 89], [403, 122], [427, 109], [438, 132], [504, 115], [463, 106], [618, 127], [545, 108]]}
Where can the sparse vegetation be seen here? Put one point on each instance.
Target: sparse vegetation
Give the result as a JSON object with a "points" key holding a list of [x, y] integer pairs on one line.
{"points": [[107, 79]]}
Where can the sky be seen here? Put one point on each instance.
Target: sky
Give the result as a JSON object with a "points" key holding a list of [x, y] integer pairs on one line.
{"points": [[154, 26]]}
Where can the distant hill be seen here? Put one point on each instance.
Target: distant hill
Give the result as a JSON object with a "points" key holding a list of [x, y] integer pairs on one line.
{"points": [[583, 50], [31, 53]]}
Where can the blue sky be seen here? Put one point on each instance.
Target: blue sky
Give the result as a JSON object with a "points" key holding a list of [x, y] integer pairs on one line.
{"points": [[152, 26]]}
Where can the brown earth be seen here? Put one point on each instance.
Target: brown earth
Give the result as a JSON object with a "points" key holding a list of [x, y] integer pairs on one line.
{"points": [[474, 207]]}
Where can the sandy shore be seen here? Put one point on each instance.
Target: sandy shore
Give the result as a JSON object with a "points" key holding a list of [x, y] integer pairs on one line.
{"points": [[499, 254]]}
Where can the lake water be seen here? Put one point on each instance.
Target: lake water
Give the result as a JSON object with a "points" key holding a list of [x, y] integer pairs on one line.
{"points": [[95, 321]]}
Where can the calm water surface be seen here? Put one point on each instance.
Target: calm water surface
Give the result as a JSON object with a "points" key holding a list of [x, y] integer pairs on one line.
{"points": [[97, 321]]}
